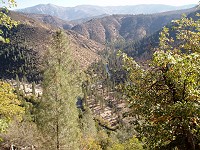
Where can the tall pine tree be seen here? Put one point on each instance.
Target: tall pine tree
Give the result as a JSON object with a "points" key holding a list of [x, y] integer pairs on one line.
{"points": [[58, 115]]}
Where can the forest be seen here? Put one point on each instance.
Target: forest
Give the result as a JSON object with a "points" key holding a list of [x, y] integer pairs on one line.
{"points": [[127, 99]]}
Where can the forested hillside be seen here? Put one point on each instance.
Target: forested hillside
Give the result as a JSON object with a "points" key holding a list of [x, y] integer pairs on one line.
{"points": [[28, 43], [144, 48], [120, 82]]}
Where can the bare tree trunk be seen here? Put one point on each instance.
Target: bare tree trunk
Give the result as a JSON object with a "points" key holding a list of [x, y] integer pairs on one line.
{"points": [[12, 147], [57, 136]]}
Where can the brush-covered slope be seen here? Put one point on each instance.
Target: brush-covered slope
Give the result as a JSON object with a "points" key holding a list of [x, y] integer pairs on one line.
{"points": [[54, 21], [126, 27]]}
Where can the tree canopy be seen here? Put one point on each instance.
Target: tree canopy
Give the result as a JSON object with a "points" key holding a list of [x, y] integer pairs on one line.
{"points": [[9, 106], [165, 99], [58, 117], [5, 20]]}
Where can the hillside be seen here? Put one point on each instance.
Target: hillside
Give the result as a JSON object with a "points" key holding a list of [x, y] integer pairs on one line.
{"points": [[30, 39], [51, 20], [142, 50], [100, 82], [34, 31], [117, 28], [85, 11]]}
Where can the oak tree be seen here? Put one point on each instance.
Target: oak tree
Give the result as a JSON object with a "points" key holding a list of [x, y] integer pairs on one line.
{"points": [[165, 98]]}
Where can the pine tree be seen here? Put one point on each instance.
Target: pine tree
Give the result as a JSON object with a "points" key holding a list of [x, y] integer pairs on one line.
{"points": [[58, 116], [18, 82], [87, 124], [5, 20], [33, 89]]}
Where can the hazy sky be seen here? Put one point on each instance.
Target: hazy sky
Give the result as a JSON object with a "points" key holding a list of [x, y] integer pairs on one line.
{"points": [[70, 3]]}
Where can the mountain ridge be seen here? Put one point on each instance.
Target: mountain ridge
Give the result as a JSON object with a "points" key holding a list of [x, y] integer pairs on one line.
{"points": [[117, 28], [143, 50], [84, 11]]}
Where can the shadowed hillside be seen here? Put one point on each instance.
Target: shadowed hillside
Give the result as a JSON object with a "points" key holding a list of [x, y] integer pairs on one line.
{"points": [[143, 49]]}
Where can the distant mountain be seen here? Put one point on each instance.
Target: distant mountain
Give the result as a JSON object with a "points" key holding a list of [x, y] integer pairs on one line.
{"points": [[51, 20], [79, 21], [117, 28], [86, 11], [65, 13], [144, 9]]}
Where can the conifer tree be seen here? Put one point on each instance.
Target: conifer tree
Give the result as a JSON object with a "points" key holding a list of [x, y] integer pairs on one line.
{"points": [[5, 20], [33, 89], [58, 115], [18, 82]]}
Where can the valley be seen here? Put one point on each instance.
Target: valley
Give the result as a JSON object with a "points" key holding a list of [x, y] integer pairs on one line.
{"points": [[100, 78]]}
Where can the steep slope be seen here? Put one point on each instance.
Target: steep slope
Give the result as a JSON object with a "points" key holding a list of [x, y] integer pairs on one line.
{"points": [[85, 11], [29, 41], [126, 27], [65, 13], [82, 20], [50, 20], [142, 50]]}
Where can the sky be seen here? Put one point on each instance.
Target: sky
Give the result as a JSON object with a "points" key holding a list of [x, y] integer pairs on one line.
{"points": [[71, 3]]}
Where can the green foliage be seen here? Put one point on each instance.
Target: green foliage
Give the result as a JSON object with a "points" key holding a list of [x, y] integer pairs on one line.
{"points": [[18, 59], [131, 144], [106, 124], [9, 106], [103, 139], [21, 134], [5, 20], [58, 115], [187, 35], [90, 144], [16, 56], [165, 98], [87, 124]]}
